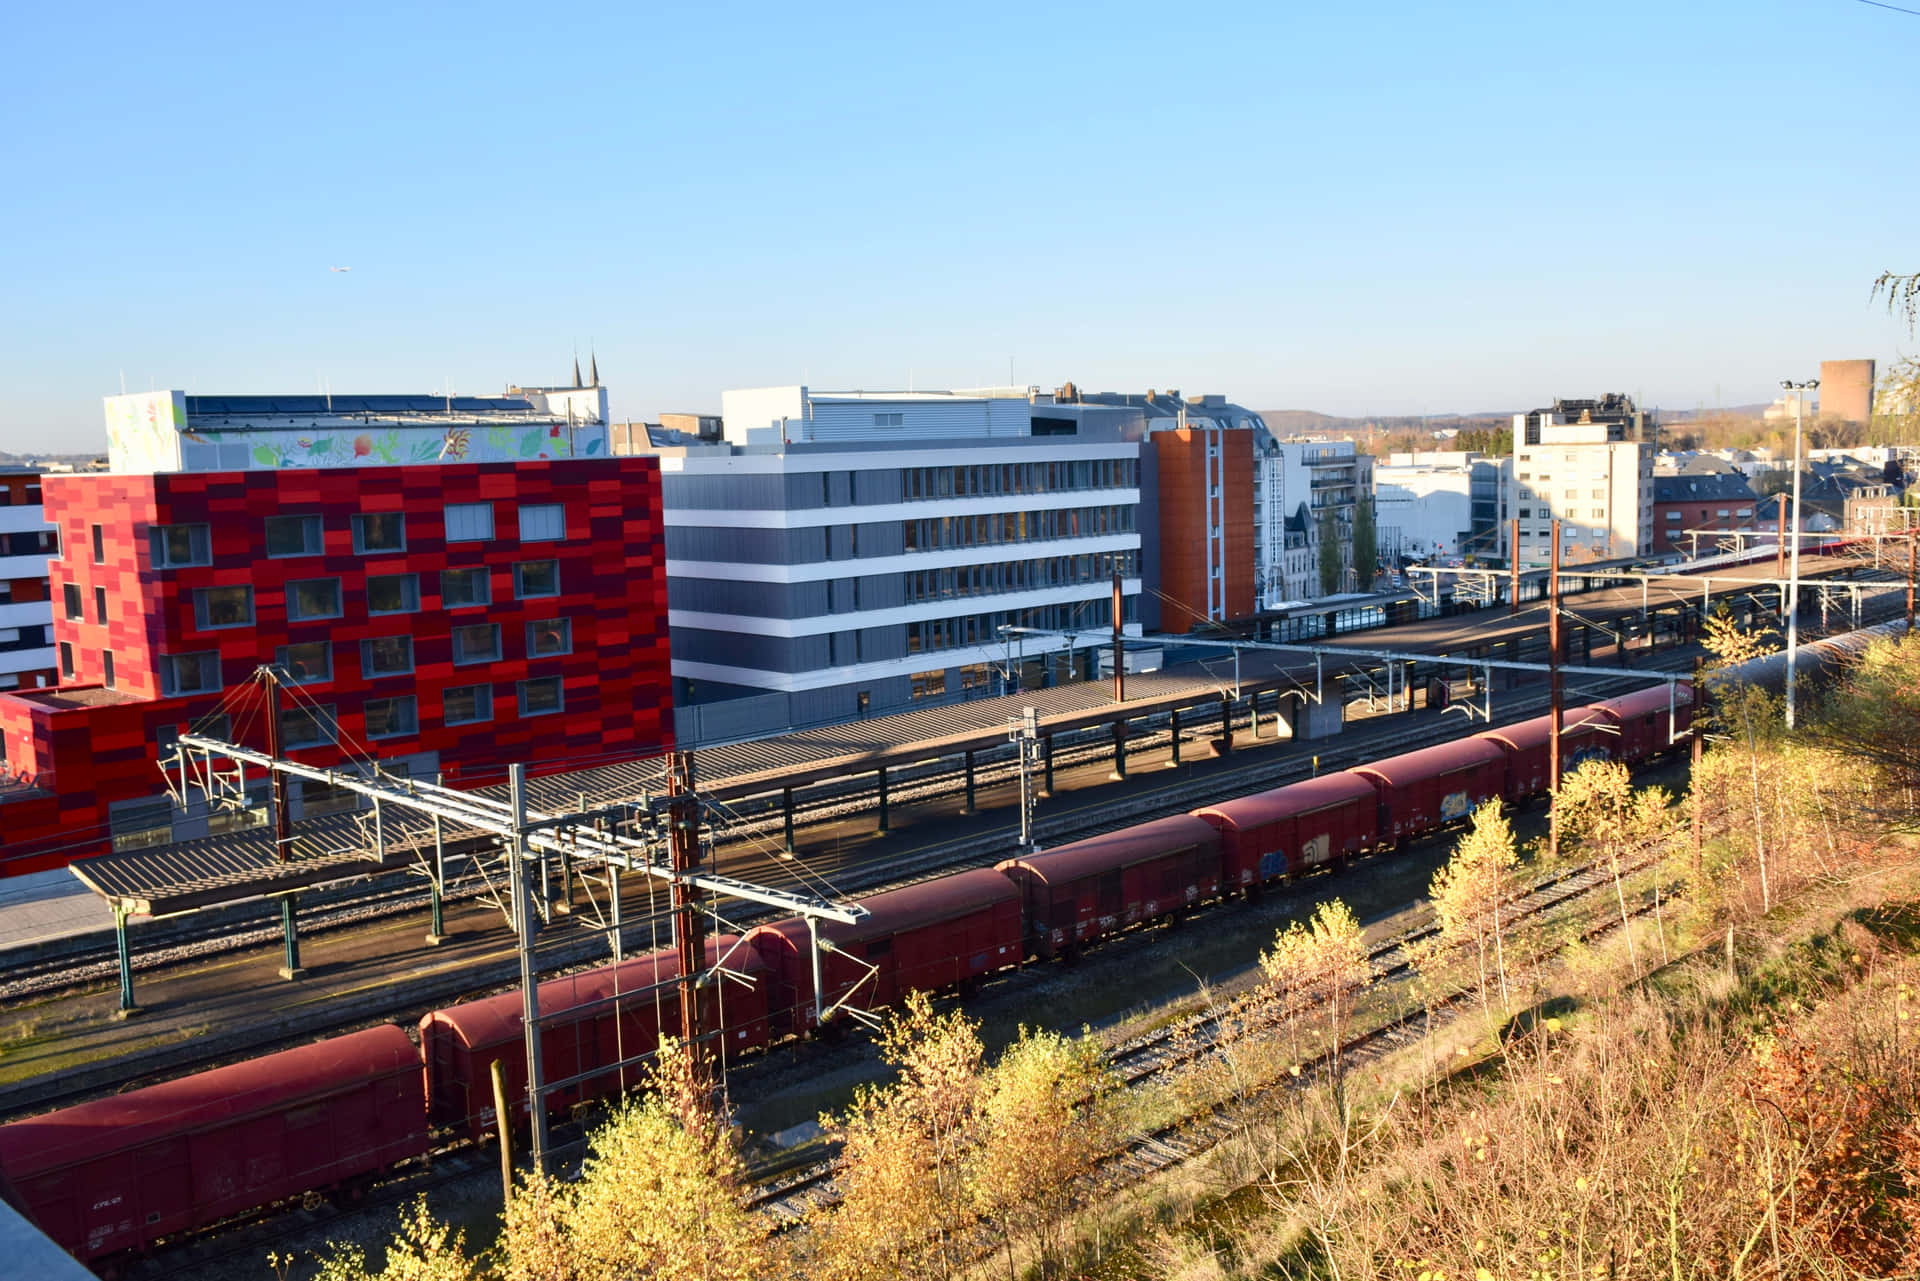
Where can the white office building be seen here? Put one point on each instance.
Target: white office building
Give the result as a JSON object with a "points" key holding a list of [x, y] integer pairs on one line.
{"points": [[1598, 486], [1423, 505], [852, 554]]}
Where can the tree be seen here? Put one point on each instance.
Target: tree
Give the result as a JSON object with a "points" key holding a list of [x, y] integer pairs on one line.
{"points": [[423, 1249], [903, 1169], [1485, 440], [1043, 1124], [1602, 815], [1322, 965], [659, 1196], [1903, 295], [1329, 534], [1366, 544], [1469, 893], [1875, 720]]}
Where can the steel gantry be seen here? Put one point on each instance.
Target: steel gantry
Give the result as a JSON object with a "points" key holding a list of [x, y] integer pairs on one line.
{"points": [[655, 837]]}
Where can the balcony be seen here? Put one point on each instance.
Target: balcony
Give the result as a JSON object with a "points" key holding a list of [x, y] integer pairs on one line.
{"points": [[34, 566], [35, 613], [23, 519], [27, 660]]}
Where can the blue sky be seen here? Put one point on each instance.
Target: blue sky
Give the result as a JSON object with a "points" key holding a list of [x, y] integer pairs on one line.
{"points": [[1392, 208]]}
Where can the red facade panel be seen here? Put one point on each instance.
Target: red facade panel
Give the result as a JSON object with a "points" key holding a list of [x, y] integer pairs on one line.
{"points": [[569, 668]]}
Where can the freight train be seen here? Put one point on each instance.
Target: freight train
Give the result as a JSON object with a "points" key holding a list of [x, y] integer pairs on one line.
{"points": [[113, 1176]]}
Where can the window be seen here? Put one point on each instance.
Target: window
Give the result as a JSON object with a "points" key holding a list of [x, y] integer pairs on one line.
{"points": [[317, 797], [543, 523], [462, 587], [465, 704], [379, 532], [469, 522], [930, 684], [532, 578], [541, 696], [307, 727], [392, 717], [549, 636], [293, 536], [70, 593], [306, 664], [313, 598], [477, 644], [889, 420], [393, 593], [190, 673], [99, 546], [175, 546], [386, 656], [223, 607], [166, 738], [99, 604], [66, 659], [106, 667], [1673, 515]]}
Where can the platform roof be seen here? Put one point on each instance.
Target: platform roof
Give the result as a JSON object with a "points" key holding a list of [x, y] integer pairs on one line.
{"points": [[226, 869]]}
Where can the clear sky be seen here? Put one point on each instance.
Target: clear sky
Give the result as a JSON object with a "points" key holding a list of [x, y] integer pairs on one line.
{"points": [[1382, 208]]}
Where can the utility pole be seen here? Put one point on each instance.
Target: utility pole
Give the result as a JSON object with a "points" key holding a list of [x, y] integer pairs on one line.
{"points": [[1697, 733], [1793, 569], [1780, 548], [1119, 654], [1913, 546], [1513, 566], [290, 968], [1553, 696], [683, 846], [525, 927], [1025, 734]]}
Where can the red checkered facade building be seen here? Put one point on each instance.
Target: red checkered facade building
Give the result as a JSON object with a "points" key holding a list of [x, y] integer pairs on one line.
{"points": [[448, 618]]}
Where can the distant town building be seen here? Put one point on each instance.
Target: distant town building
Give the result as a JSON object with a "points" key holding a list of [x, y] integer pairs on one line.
{"points": [[1594, 481], [1846, 390], [847, 554], [449, 584], [1615, 412], [1701, 503], [27, 542], [1441, 503]]}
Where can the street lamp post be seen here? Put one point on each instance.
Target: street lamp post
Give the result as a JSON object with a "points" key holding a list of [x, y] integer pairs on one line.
{"points": [[1793, 571]]}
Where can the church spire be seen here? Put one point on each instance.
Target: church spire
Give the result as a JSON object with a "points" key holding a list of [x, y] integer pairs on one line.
{"points": [[593, 376], [576, 370]]}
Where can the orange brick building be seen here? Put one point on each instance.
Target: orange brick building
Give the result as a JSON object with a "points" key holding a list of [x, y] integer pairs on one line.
{"points": [[1206, 526]]}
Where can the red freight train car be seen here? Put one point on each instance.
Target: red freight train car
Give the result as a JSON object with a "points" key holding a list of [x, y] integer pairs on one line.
{"points": [[925, 937], [1649, 719], [1585, 734], [1423, 790], [460, 1043], [1289, 829], [1083, 891], [114, 1174]]}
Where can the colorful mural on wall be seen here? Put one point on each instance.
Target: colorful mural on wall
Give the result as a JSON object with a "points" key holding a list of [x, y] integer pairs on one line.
{"points": [[395, 446]]}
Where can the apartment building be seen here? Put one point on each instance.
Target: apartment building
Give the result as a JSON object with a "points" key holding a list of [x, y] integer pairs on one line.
{"points": [[27, 543], [446, 585], [1599, 487], [852, 554], [1423, 504]]}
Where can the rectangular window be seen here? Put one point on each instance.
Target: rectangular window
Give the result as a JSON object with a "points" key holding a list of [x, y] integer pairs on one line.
{"points": [[76, 611], [469, 522], [549, 636], [317, 797], [293, 536], [889, 420], [535, 578], [392, 717], [930, 684], [465, 704], [106, 667], [307, 727], [310, 598], [175, 546], [99, 546], [543, 522], [386, 656], [1675, 516], [375, 532], [190, 673], [99, 604], [310, 663], [462, 587], [223, 607], [66, 659], [477, 644], [166, 738], [541, 696], [393, 593]]}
